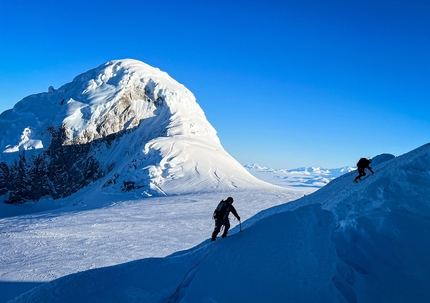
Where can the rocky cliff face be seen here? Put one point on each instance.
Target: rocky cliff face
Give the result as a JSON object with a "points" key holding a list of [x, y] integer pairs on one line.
{"points": [[57, 172], [124, 124]]}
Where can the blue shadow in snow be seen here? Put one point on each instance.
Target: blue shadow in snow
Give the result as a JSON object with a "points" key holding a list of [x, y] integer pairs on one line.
{"points": [[10, 290]]}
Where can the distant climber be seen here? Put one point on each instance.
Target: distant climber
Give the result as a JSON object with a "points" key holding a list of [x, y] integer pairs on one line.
{"points": [[221, 217], [362, 164]]}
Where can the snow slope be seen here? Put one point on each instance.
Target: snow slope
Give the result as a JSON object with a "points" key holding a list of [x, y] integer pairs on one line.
{"points": [[346, 242]]}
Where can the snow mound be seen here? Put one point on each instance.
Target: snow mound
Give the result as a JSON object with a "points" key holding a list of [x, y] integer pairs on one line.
{"points": [[382, 158]]}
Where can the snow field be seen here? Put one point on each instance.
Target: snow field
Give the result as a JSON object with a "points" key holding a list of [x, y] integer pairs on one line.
{"points": [[45, 246]]}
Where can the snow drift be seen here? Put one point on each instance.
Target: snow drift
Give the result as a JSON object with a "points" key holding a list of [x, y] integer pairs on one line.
{"points": [[347, 242], [125, 124]]}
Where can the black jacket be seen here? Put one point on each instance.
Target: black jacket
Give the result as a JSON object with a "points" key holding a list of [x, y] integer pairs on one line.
{"points": [[363, 163], [223, 210]]}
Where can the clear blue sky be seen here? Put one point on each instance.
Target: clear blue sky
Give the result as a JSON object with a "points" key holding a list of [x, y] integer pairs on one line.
{"points": [[285, 83]]}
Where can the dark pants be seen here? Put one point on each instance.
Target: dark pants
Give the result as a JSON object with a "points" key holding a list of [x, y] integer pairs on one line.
{"points": [[362, 173], [218, 225]]}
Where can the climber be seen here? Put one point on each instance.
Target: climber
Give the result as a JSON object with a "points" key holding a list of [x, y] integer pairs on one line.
{"points": [[362, 164], [221, 217]]}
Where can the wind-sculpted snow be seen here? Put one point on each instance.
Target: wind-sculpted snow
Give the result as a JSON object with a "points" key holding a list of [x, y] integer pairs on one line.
{"points": [[125, 124], [347, 242]]}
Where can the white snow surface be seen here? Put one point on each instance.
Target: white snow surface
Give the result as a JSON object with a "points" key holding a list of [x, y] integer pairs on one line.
{"points": [[346, 242]]}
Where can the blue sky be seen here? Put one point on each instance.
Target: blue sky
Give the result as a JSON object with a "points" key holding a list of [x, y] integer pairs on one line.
{"points": [[285, 83]]}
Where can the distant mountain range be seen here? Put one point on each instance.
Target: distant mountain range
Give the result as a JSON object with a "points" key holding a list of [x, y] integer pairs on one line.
{"points": [[310, 178]]}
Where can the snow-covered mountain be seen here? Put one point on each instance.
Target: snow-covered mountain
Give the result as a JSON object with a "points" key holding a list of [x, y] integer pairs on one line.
{"points": [[347, 242], [124, 124]]}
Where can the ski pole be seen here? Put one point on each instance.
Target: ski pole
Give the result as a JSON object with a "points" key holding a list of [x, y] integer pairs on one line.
{"points": [[240, 226]]}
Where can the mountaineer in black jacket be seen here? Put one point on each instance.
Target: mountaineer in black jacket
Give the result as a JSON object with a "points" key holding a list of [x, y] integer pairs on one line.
{"points": [[362, 164], [221, 217]]}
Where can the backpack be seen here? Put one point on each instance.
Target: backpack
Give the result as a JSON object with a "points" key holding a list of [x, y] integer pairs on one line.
{"points": [[220, 211], [363, 162]]}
